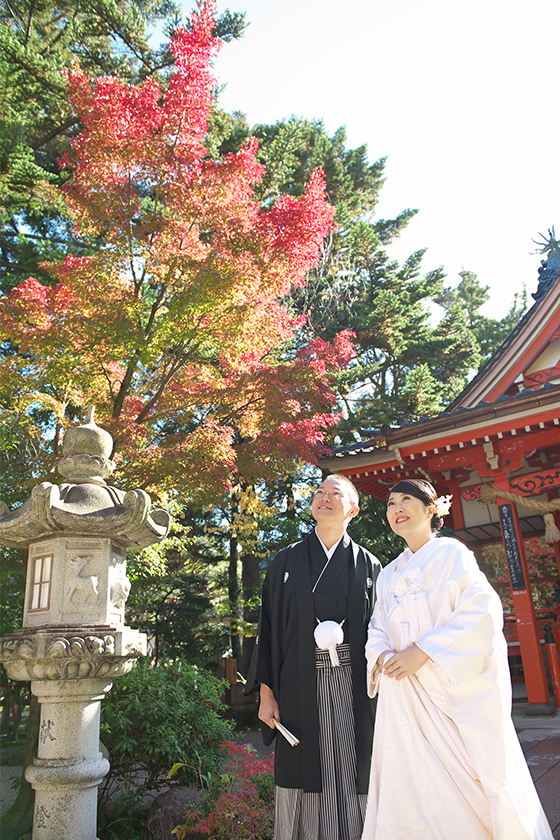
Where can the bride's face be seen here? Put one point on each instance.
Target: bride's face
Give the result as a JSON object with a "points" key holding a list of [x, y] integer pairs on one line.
{"points": [[409, 516]]}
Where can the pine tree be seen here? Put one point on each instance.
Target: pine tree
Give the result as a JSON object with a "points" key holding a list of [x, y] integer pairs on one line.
{"points": [[469, 296]]}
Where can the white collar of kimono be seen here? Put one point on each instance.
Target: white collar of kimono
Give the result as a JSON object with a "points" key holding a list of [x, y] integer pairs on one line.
{"points": [[409, 558], [328, 551]]}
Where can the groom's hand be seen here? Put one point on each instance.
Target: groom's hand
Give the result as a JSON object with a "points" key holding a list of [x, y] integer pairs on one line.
{"points": [[268, 707]]}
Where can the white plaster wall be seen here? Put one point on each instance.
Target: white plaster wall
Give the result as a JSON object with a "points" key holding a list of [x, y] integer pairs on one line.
{"points": [[548, 358], [478, 513]]}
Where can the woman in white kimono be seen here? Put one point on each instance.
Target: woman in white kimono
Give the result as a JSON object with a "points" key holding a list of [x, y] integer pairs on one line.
{"points": [[446, 762]]}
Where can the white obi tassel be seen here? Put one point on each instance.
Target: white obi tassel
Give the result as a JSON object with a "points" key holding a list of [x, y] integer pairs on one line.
{"points": [[329, 634]]}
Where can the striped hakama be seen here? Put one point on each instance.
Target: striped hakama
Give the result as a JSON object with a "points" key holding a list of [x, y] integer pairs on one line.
{"points": [[337, 813]]}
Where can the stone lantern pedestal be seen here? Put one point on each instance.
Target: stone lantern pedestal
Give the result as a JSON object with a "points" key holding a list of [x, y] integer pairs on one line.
{"points": [[69, 766], [74, 641]]}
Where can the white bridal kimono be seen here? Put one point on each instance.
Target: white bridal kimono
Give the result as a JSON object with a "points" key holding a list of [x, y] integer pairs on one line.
{"points": [[446, 763]]}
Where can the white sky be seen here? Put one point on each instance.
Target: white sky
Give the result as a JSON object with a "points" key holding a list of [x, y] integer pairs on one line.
{"points": [[461, 97]]}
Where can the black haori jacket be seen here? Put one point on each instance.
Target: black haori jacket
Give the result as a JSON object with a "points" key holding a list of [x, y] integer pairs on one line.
{"points": [[284, 659]]}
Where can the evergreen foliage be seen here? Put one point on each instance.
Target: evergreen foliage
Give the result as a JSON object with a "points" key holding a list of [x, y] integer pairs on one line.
{"points": [[153, 718], [175, 601], [469, 296]]}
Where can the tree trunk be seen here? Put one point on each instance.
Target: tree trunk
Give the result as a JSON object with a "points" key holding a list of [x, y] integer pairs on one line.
{"points": [[233, 594], [5, 725], [233, 583], [125, 385], [250, 580], [156, 638], [18, 819], [290, 501]]}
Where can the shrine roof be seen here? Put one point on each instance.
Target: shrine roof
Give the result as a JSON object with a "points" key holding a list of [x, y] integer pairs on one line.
{"points": [[497, 396], [527, 406], [511, 361]]}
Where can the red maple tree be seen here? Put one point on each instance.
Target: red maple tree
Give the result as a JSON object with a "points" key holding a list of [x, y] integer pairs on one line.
{"points": [[175, 328]]}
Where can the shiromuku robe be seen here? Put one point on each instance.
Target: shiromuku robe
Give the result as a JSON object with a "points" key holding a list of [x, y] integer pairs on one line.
{"points": [[284, 655], [446, 759]]}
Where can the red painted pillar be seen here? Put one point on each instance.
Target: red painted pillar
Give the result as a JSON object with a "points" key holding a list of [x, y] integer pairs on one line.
{"points": [[531, 654], [456, 507], [556, 545], [553, 662]]}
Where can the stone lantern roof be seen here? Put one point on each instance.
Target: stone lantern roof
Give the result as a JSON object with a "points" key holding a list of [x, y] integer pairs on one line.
{"points": [[84, 504]]}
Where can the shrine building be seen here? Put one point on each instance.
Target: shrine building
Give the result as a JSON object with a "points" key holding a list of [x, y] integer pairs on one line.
{"points": [[496, 448]]}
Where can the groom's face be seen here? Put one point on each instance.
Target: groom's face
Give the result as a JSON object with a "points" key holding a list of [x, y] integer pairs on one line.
{"points": [[333, 502]]}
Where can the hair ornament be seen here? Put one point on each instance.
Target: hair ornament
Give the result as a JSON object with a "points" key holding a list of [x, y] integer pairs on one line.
{"points": [[443, 503]]}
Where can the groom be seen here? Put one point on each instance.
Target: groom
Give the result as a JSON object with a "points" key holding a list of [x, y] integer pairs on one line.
{"points": [[323, 781]]}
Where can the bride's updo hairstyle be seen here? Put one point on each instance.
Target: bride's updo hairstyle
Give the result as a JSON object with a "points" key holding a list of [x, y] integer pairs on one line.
{"points": [[427, 494]]}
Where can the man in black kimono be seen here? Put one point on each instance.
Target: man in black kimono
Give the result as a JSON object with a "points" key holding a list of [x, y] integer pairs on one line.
{"points": [[322, 783]]}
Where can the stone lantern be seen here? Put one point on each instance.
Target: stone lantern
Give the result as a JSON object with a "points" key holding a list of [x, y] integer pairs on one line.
{"points": [[74, 640]]}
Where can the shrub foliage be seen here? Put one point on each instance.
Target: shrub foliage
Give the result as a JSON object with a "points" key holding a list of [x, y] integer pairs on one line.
{"points": [[239, 802], [155, 717]]}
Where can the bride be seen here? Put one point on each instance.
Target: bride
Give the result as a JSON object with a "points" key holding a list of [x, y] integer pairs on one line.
{"points": [[446, 762]]}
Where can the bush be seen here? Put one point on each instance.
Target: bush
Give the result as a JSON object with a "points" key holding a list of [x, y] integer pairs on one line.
{"points": [[155, 717], [238, 803], [543, 571]]}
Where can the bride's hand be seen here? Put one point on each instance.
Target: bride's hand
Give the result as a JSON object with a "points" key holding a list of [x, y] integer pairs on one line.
{"points": [[404, 663], [383, 656]]}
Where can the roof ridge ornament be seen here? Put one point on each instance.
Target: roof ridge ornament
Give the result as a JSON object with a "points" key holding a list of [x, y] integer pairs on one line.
{"points": [[550, 267]]}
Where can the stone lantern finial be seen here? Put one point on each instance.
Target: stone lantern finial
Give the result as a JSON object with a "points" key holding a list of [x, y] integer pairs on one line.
{"points": [[86, 453]]}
